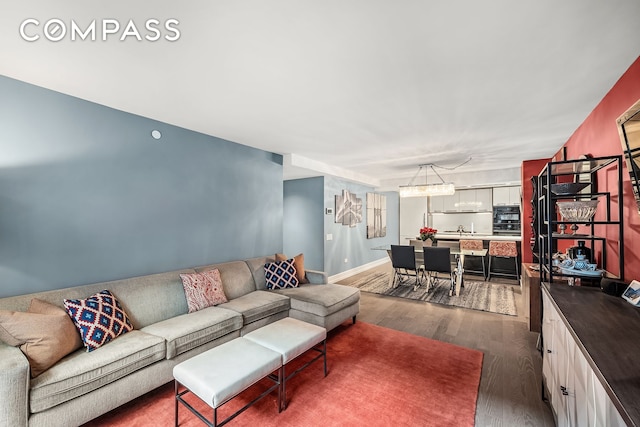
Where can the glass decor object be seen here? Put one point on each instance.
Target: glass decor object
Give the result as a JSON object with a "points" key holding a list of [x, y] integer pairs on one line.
{"points": [[580, 211]]}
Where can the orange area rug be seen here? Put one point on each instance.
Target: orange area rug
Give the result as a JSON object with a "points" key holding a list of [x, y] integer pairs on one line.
{"points": [[377, 377]]}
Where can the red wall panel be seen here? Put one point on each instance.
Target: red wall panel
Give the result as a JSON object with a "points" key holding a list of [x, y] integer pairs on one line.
{"points": [[598, 136], [529, 168]]}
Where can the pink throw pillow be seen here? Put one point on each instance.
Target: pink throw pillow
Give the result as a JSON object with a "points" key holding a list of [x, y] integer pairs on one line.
{"points": [[203, 290]]}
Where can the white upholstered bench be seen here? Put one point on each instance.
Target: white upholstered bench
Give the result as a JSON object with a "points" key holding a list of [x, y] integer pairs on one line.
{"points": [[219, 374], [291, 338]]}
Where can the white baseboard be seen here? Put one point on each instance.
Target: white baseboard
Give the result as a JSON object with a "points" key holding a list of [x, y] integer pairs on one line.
{"points": [[356, 270]]}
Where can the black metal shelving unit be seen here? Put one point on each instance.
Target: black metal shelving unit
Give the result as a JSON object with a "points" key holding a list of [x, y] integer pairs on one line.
{"points": [[551, 226]]}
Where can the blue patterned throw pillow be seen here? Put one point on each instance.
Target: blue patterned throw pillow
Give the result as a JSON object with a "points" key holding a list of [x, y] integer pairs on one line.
{"points": [[281, 274], [99, 318]]}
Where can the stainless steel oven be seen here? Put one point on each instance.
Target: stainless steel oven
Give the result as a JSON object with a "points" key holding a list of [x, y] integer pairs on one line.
{"points": [[506, 220]]}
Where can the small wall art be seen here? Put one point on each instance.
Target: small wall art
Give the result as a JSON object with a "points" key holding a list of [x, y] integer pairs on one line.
{"points": [[376, 215], [348, 209]]}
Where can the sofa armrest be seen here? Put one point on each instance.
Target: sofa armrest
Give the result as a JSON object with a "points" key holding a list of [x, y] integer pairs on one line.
{"points": [[14, 386], [317, 277]]}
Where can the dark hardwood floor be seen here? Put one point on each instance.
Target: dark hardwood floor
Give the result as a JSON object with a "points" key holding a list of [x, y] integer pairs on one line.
{"points": [[511, 371]]}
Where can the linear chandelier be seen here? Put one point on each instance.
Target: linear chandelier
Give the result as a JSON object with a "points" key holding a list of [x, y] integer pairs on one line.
{"points": [[426, 189]]}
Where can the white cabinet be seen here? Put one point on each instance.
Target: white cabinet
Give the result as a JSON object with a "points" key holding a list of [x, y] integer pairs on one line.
{"points": [[506, 196], [466, 200], [450, 203], [515, 195], [576, 394], [436, 204], [472, 200], [413, 216], [484, 199], [600, 409]]}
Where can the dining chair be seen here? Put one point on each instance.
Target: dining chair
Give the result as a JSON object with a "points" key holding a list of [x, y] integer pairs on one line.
{"points": [[403, 260], [474, 245], [437, 259], [453, 245], [418, 245], [503, 249]]}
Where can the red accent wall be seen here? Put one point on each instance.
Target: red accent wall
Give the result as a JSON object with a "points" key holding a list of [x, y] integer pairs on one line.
{"points": [[598, 136], [529, 168]]}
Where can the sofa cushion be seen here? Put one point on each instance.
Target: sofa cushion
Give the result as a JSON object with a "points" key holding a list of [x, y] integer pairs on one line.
{"points": [[298, 262], [203, 290], [45, 334], [257, 305], [82, 372], [281, 274], [149, 299], [256, 266], [236, 278], [321, 300], [99, 318], [188, 331], [146, 299]]}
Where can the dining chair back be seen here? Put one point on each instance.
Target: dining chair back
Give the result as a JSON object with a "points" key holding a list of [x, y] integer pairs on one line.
{"points": [[503, 249], [471, 244], [403, 260], [437, 259], [453, 245], [418, 245], [474, 245]]}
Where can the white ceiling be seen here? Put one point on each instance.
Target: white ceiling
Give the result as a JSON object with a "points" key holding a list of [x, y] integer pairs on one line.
{"points": [[366, 89]]}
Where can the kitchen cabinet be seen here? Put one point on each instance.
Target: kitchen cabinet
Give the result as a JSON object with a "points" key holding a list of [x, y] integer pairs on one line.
{"points": [[466, 201], [450, 203], [472, 200], [484, 199], [575, 392], [436, 204], [413, 216], [506, 196]]}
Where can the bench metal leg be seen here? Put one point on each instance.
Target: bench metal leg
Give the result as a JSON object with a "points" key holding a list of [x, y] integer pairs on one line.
{"points": [[279, 385], [320, 348], [176, 402]]}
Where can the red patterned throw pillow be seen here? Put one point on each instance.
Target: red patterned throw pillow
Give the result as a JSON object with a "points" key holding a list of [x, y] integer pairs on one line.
{"points": [[99, 318], [203, 290], [281, 274]]}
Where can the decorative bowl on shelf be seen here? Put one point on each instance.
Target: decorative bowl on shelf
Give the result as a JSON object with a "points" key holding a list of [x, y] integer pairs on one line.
{"points": [[568, 188], [578, 211]]}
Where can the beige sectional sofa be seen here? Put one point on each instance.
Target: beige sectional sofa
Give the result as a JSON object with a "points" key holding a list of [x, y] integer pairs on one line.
{"points": [[84, 385]]}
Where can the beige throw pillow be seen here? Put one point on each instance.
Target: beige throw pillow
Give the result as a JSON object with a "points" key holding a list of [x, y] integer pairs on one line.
{"points": [[45, 334], [298, 262]]}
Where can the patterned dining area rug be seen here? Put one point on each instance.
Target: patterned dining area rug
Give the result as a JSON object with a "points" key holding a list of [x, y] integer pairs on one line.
{"points": [[477, 295]]}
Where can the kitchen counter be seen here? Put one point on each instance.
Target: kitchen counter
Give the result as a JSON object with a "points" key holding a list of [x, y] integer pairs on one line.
{"points": [[477, 236]]}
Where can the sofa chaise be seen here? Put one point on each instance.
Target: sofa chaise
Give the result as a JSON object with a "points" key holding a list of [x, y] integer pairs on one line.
{"points": [[84, 385]]}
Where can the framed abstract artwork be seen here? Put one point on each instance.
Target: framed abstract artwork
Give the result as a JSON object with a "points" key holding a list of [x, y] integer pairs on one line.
{"points": [[348, 209], [376, 215]]}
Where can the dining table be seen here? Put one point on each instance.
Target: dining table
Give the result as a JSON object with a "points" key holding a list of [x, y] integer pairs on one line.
{"points": [[458, 283]]}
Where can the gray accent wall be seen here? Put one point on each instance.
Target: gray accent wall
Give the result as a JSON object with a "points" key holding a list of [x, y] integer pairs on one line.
{"points": [[306, 225], [351, 243], [304, 220], [87, 195]]}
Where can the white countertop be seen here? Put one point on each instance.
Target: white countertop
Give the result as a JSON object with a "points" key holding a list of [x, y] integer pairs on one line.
{"points": [[478, 236]]}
